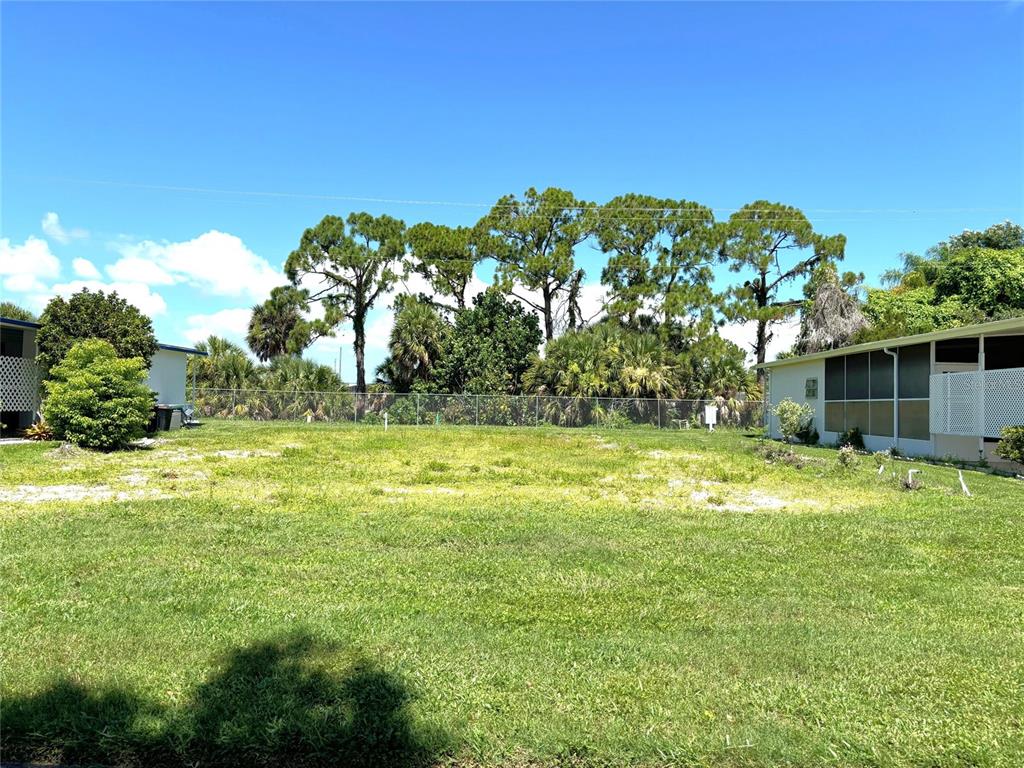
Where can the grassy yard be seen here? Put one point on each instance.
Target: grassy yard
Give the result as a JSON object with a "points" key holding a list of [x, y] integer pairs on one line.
{"points": [[311, 594]]}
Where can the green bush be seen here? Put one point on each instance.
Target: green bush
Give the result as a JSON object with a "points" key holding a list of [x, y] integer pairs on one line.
{"points": [[852, 437], [794, 418], [96, 399], [1011, 444]]}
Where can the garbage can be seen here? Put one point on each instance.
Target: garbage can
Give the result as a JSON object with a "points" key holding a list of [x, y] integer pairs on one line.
{"points": [[163, 418]]}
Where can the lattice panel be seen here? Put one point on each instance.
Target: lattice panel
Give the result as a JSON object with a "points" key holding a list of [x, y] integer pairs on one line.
{"points": [[1004, 400], [19, 384]]}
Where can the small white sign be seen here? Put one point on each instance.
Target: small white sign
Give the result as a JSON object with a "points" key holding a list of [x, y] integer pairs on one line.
{"points": [[711, 416]]}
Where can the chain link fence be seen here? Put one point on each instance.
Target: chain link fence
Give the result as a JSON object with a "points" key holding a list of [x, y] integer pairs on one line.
{"points": [[482, 410]]}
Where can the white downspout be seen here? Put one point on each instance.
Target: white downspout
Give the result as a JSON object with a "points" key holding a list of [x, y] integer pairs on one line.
{"points": [[895, 394], [981, 396]]}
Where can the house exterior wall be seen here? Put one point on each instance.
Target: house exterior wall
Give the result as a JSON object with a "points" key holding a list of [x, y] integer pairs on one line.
{"points": [[790, 381], [167, 376]]}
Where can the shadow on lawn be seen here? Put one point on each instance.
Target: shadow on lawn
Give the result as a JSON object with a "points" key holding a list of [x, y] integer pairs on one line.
{"points": [[273, 703]]}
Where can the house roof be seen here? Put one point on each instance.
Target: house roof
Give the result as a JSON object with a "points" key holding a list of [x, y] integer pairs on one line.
{"points": [[168, 347], [993, 328]]}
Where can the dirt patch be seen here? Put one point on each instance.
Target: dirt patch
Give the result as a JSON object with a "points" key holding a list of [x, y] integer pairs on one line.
{"points": [[246, 454], [38, 494]]}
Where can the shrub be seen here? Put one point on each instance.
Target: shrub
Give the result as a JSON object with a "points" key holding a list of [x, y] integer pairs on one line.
{"points": [[39, 431], [794, 418], [1011, 444], [780, 454], [96, 399], [847, 457], [852, 437], [880, 458]]}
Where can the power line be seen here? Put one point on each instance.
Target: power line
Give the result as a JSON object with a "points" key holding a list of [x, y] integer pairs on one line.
{"points": [[683, 213]]}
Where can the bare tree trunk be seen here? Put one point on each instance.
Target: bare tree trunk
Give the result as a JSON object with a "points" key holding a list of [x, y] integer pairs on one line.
{"points": [[761, 350], [358, 325], [549, 321]]}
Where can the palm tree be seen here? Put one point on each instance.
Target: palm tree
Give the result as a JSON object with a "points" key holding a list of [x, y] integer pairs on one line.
{"points": [[416, 344], [278, 326]]}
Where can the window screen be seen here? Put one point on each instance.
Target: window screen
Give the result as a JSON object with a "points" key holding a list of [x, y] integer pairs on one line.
{"points": [[914, 420], [11, 342], [857, 415], [915, 365], [1004, 352], [835, 378], [881, 377], [881, 418], [957, 351], [811, 389], [857, 377], [835, 416]]}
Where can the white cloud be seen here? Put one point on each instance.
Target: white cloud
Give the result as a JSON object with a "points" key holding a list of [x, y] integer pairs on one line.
{"points": [[744, 334], [148, 302], [138, 270], [85, 269], [215, 262], [24, 267], [231, 324], [54, 230]]}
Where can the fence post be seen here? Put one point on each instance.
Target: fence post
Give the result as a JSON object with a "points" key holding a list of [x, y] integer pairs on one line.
{"points": [[355, 409], [659, 413], [536, 417], [417, 408], [233, 402], [478, 410]]}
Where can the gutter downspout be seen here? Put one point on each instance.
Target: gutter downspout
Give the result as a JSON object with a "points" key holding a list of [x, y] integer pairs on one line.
{"points": [[895, 394]]}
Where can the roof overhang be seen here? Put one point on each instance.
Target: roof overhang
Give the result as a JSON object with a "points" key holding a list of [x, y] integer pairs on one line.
{"points": [[167, 347], [994, 328]]}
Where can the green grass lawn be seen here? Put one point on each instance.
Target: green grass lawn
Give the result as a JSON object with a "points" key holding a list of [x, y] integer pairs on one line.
{"points": [[336, 595]]}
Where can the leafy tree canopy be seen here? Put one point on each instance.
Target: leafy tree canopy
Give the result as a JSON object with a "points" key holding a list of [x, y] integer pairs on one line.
{"points": [[489, 347], [89, 315], [987, 279], [539, 235], [12, 311], [446, 256]]}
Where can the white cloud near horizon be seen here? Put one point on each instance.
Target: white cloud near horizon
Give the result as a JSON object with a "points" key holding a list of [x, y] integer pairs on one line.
{"points": [[54, 230], [23, 268], [215, 262], [137, 294], [231, 324], [744, 334]]}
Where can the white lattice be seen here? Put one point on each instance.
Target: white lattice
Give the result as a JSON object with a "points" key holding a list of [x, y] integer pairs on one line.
{"points": [[1004, 400], [19, 384], [976, 403]]}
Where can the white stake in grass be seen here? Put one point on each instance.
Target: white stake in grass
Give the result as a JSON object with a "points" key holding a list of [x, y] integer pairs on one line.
{"points": [[385, 421], [963, 485]]}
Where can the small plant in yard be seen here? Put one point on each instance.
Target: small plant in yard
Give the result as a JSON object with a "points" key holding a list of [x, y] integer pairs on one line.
{"points": [[774, 453], [847, 457], [1011, 444], [794, 419], [97, 400], [39, 431], [880, 458], [852, 437]]}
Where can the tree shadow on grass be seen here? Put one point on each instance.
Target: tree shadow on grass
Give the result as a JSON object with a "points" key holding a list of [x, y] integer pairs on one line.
{"points": [[280, 702]]}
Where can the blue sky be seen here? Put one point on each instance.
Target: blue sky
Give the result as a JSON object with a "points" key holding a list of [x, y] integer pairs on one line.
{"points": [[896, 124]]}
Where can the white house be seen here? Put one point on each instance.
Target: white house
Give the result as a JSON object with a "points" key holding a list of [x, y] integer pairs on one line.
{"points": [[19, 375], [945, 393]]}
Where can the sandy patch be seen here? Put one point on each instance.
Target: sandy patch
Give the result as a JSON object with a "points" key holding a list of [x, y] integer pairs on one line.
{"points": [[37, 494], [246, 454]]}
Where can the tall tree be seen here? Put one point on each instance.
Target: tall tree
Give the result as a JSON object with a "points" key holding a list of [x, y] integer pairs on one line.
{"points": [[93, 315], [278, 326], [661, 256], [539, 235], [347, 268], [446, 256], [773, 245]]}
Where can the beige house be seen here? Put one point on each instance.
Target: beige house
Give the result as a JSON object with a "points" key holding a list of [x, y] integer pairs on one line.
{"points": [[946, 393]]}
